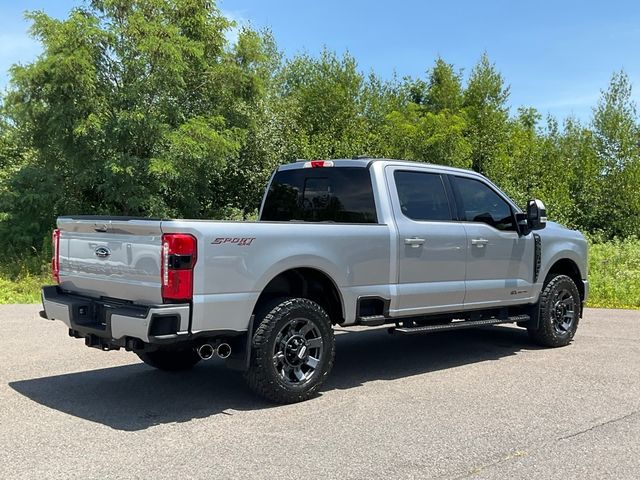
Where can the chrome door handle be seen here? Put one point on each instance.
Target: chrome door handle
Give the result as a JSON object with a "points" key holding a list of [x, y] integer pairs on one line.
{"points": [[479, 242], [415, 242]]}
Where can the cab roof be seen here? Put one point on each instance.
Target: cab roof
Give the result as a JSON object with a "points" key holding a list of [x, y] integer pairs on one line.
{"points": [[366, 162]]}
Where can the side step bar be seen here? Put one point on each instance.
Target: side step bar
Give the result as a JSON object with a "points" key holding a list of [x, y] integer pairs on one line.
{"points": [[458, 325]]}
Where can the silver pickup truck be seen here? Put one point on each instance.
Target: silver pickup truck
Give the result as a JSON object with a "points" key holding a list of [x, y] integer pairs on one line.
{"points": [[423, 248]]}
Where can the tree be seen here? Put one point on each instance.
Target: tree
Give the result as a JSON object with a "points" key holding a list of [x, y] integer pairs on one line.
{"points": [[519, 171], [616, 138], [444, 91], [534, 165], [319, 107], [415, 134], [135, 107], [427, 124], [577, 150], [487, 114]]}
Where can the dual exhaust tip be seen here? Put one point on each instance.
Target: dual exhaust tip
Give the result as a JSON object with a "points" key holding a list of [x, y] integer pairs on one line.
{"points": [[206, 351]]}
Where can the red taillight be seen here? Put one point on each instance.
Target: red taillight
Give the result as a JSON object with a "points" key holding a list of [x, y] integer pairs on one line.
{"points": [[55, 255], [178, 259]]}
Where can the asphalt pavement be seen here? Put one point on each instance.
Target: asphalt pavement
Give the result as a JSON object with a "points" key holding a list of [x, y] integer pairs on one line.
{"points": [[471, 404]]}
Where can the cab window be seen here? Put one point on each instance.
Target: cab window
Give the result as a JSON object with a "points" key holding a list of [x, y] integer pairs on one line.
{"points": [[480, 203], [422, 195], [330, 194]]}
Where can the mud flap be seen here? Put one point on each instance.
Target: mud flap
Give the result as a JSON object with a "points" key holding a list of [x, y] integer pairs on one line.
{"points": [[241, 349]]}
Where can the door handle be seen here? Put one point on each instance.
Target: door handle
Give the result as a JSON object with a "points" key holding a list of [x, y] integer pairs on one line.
{"points": [[415, 242], [479, 242]]}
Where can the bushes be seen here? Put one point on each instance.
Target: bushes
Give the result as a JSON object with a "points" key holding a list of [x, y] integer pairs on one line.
{"points": [[21, 279], [614, 274]]}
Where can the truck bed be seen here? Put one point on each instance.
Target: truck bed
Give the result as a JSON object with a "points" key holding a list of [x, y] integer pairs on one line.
{"points": [[235, 261]]}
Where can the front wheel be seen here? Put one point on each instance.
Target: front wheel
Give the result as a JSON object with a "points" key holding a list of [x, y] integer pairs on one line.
{"points": [[559, 312], [292, 351]]}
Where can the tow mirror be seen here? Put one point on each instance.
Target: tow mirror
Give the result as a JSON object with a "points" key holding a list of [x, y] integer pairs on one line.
{"points": [[536, 214]]}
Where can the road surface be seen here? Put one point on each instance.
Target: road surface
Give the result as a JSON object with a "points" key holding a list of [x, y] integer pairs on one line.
{"points": [[483, 404]]}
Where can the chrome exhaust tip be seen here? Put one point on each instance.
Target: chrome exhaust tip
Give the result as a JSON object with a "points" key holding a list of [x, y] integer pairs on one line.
{"points": [[206, 351], [224, 350]]}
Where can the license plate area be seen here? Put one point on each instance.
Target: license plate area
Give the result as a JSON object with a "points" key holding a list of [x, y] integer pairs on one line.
{"points": [[90, 314]]}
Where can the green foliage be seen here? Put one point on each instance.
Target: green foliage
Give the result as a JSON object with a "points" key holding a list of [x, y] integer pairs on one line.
{"points": [[616, 142], [144, 107], [134, 108], [444, 91], [614, 274], [319, 107], [487, 113], [430, 126], [23, 289], [22, 278], [418, 134]]}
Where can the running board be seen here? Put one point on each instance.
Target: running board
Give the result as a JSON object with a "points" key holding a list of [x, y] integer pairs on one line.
{"points": [[459, 325]]}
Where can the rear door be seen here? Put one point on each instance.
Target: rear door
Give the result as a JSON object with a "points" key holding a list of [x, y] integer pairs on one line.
{"points": [[500, 262], [431, 263], [111, 258]]}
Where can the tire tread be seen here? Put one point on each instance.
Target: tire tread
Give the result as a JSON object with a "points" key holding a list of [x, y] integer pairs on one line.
{"points": [[255, 375], [544, 334]]}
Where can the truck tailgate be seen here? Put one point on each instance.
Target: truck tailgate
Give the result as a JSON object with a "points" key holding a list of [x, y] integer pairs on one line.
{"points": [[112, 258]]}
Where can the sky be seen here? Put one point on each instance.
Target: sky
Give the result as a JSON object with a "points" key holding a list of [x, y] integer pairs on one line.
{"points": [[555, 55]]}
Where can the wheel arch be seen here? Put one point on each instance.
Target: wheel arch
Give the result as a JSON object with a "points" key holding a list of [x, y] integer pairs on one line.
{"points": [[566, 266], [305, 282]]}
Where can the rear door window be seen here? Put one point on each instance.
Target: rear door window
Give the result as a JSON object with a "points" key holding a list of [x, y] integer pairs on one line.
{"points": [[422, 195]]}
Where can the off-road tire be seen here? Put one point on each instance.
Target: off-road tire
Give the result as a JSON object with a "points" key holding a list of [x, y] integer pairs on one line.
{"points": [[263, 375], [548, 333], [170, 360]]}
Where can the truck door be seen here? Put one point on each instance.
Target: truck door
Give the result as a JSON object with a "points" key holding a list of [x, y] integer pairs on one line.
{"points": [[500, 262], [431, 245]]}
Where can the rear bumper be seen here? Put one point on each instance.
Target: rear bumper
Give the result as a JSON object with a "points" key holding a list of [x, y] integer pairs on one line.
{"points": [[111, 324]]}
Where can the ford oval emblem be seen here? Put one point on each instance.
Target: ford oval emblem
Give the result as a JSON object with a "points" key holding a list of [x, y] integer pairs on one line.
{"points": [[102, 252]]}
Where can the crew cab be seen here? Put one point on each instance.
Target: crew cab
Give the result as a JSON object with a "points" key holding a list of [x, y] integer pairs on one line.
{"points": [[420, 247]]}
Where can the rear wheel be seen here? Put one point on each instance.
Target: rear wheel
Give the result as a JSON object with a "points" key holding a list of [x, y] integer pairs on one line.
{"points": [[559, 312], [170, 360], [292, 352]]}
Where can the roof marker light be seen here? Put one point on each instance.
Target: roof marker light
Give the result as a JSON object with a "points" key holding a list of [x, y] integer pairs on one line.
{"points": [[318, 164]]}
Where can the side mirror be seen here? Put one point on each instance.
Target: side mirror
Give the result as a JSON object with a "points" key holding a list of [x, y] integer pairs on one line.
{"points": [[536, 214]]}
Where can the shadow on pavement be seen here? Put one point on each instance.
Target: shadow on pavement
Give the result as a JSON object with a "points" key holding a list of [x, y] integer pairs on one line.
{"points": [[135, 397]]}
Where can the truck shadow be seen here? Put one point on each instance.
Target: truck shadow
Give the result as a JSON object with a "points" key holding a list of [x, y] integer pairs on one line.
{"points": [[136, 397]]}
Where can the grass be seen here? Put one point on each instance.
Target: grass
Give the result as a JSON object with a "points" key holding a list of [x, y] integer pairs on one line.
{"points": [[25, 289], [614, 276], [21, 279]]}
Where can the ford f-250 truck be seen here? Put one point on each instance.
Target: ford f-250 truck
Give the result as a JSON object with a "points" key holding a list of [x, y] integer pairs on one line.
{"points": [[420, 247]]}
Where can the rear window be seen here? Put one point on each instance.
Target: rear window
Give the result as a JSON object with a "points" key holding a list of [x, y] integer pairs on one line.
{"points": [[330, 194]]}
